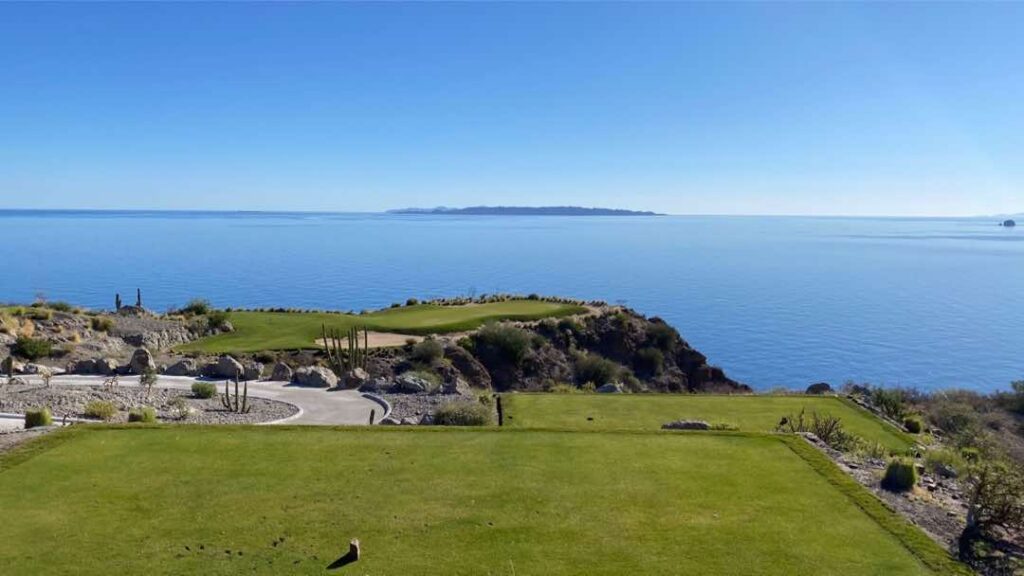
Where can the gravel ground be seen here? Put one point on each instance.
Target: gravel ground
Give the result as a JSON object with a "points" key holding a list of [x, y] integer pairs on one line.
{"points": [[416, 405], [71, 401]]}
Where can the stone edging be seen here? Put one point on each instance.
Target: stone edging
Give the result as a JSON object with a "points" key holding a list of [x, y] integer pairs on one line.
{"points": [[384, 404]]}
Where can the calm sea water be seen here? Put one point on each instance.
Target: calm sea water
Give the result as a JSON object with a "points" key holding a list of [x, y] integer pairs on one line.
{"points": [[775, 301]]}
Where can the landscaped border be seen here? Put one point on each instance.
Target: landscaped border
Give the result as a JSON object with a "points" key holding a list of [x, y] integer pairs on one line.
{"points": [[913, 539]]}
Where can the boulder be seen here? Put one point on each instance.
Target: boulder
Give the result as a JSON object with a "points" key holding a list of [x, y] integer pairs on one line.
{"points": [[183, 367], [389, 421], [87, 366], [141, 360], [106, 366], [427, 420], [409, 383], [686, 425], [282, 373], [316, 376], [228, 367], [374, 385], [819, 388], [456, 386], [39, 369], [252, 371], [1009, 223], [356, 378], [610, 388], [409, 421]]}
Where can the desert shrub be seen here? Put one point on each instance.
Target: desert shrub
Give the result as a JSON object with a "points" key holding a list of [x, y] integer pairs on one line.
{"points": [[826, 427], [41, 417], [31, 348], [661, 335], [724, 426], [216, 319], [995, 493], [958, 420], [204, 389], [61, 307], [562, 388], [502, 342], [871, 449], [596, 369], [889, 401], [649, 361], [913, 424], [148, 378], [197, 307], [412, 302], [38, 313], [100, 409], [1017, 397], [145, 415], [485, 398], [265, 357], [101, 324], [429, 375], [179, 408], [942, 459], [900, 475], [462, 414], [428, 351]]}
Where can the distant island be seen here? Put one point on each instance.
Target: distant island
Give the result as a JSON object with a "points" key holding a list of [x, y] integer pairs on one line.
{"points": [[524, 211]]}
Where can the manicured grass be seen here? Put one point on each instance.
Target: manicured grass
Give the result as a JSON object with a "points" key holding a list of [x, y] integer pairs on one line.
{"points": [[256, 331], [755, 413], [259, 500]]}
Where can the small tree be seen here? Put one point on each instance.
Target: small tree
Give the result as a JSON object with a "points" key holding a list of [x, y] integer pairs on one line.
{"points": [[148, 379], [995, 490]]}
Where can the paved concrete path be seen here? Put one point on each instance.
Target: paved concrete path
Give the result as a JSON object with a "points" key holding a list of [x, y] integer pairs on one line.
{"points": [[318, 406]]}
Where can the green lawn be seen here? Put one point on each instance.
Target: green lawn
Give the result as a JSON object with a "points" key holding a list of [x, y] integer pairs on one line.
{"points": [[262, 500], [256, 331], [754, 413]]}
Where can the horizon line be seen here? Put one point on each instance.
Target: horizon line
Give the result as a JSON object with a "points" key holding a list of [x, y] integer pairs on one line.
{"points": [[388, 212]]}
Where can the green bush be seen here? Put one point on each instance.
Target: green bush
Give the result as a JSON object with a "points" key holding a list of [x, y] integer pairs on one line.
{"points": [[179, 408], [462, 414], [38, 313], [31, 348], [145, 415], [661, 335], [60, 306], [502, 342], [649, 361], [412, 302], [596, 369], [889, 401], [216, 319], [197, 307], [941, 459], [913, 424], [41, 417], [101, 324], [100, 409], [204, 389], [900, 475], [427, 351]]}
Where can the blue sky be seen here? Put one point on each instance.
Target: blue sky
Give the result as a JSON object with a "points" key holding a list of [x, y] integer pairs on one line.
{"points": [[765, 108]]}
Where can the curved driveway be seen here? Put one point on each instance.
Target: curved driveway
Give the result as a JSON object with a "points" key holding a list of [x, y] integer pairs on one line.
{"points": [[318, 406]]}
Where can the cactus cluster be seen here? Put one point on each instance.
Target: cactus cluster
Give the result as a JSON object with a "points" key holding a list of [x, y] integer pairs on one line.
{"points": [[239, 405], [354, 355]]}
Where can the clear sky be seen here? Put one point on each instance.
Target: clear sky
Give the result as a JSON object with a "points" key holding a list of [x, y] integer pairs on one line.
{"points": [[767, 108]]}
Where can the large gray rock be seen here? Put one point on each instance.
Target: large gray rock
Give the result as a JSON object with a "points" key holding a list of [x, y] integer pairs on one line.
{"points": [[409, 383], [41, 369], [374, 385], [456, 386], [82, 367], [686, 425], [282, 373], [356, 378], [184, 367], [228, 367], [252, 371], [316, 376], [610, 388], [105, 366], [141, 360]]}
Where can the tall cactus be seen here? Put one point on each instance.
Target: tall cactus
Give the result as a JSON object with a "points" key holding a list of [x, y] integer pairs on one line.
{"points": [[355, 354], [234, 403], [117, 301]]}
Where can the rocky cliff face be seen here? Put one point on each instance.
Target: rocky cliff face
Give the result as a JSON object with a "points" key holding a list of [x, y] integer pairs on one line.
{"points": [[611, 346]]}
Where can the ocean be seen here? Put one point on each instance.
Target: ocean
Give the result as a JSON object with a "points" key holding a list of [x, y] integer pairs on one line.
{"points": [[775, 301]]}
